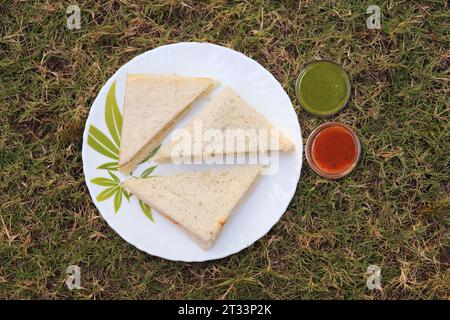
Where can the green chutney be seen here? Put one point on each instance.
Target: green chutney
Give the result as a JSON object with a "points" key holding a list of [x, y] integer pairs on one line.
{"points": [[323, 88]]}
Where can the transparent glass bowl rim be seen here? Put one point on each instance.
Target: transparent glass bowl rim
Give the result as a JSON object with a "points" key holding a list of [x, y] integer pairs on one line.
{"points": [[334, 111], [308, 151]]}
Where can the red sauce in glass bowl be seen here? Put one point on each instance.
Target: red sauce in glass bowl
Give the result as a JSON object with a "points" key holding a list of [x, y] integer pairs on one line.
{"points": [[333, 150]]}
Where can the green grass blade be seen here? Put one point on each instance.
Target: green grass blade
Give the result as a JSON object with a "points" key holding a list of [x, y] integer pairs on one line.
{"points": [[113, 117], [146, 209], [107, 193], [105, 182], [103, 139], [113, 166], [117, 200], [147, 172]]}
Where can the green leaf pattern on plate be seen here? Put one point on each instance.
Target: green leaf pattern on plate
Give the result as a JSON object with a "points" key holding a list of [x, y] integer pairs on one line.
{"points": [[113, 166], [147, 172], [101, 143], [113, 117], [146, 210], [109, 147], [107, 193]]}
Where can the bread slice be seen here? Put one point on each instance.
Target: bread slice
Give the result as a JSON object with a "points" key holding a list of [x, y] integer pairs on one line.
{"points": [[153, 104], [199, 202], [226, 111]]}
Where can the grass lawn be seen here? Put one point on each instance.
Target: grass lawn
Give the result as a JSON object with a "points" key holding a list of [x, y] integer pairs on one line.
{"points": [[392, 211]]}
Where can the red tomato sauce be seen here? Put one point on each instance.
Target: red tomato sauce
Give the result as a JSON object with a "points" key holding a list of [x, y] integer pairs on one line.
{"points": [[334, 150]]}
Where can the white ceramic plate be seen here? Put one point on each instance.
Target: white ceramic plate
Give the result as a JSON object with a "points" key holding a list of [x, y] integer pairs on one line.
{"points": [[265, 205]]}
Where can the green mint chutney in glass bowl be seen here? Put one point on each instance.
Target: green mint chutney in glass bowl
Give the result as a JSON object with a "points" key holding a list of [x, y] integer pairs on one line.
{"points": [[322, 88]]}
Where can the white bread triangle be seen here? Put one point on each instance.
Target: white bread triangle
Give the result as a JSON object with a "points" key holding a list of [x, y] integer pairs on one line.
{"points": [[199, 202], [153, 104], [227, 110]]}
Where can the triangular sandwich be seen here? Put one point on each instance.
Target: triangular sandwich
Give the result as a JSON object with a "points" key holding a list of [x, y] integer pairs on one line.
{"points": [[153, 104], [199, 202], [227, 115]]}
